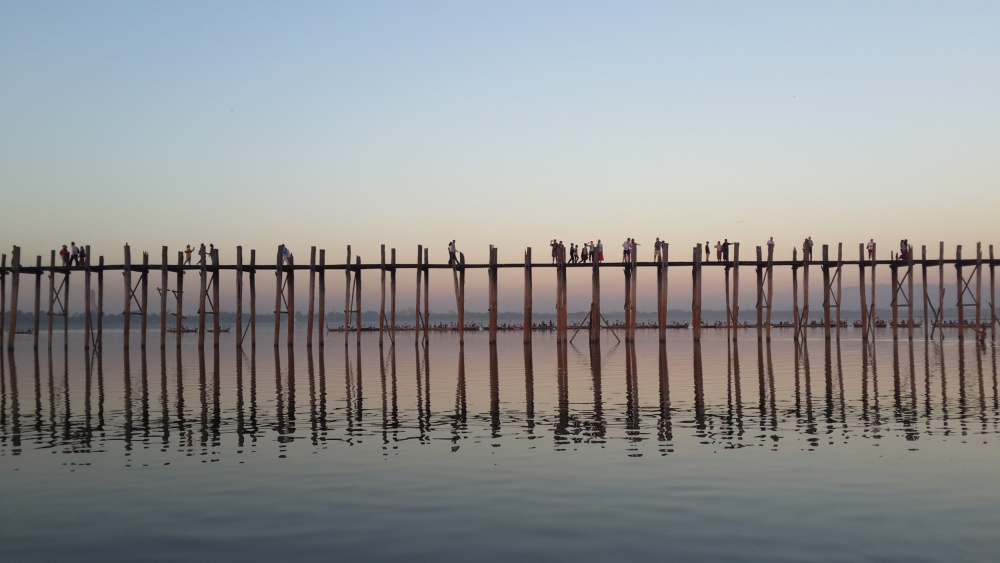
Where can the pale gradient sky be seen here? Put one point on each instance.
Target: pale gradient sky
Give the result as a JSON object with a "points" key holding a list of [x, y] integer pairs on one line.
{"points": [[405, 123]]}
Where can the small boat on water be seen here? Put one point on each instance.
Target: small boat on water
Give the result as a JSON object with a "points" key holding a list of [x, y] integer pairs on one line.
{"points": [[182, 329], [24, 331]]}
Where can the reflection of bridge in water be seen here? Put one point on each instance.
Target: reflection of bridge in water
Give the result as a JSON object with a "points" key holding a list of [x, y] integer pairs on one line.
{"points": [[968, 290], [892, 391]]}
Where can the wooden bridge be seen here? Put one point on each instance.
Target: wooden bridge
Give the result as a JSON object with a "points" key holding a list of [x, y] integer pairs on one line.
{"points": [[968, 278]]}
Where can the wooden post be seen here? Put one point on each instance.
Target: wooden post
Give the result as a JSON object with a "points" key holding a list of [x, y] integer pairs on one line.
{"points": [[239, 297], [979, 284], [381, 308], [461, 300], [3, 294], [144, 282], [493, 294], [253, 298], [770, 288], [696, 293], [86, 302], [662, 268], [65, 302], [941, 286], [164, 280], [861, 286], [100, 301], [736, 286], [322, 296], [392, 297], [923, 280], [290, 302], [15, 276], [416, 321], [909, 293], [202, 298], [826, 292], [961, 293], [894, 270], [796, 319], [312, 296], [52, 294], [595, 304], [661, 311], [127, 313], [347, 295], [760, 295], [634, 298], [628, 300], [528, 289], [427, 294], [277, 295], [357, 300], [216, 309], [993, 298], [38, 300], [179, 325], [840, 265], [805, 295], [871, 306]]}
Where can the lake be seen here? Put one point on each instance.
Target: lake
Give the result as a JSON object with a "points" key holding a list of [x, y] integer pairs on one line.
{"points": [[724, 450]]}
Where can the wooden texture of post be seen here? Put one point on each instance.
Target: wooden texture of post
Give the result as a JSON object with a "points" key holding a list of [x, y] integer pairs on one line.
{"points": [[826, 291], [770, 288], [347, 294], [87, 317], [961, 292], [736, 285], [993, 297], [628, 300], [941, 286], [461, 300], [312, 297], [164, 281], [100, 301], [923, 284], [416, 321], [760, 295], [595, 303], [528, 290], [127, 313], [3, 294], [493, 294], [216, 309], [634, 298], [321, 322], [144, 283], [427, 295], [65, 316], [661, 311], [38, 301], [357, 299], [909, 293], [392, 296], [253, 298], [290, 302], [871, 306], [239, 297], [696, 294], [840, 287], [202, 298], [805, 295], [562, 325], [894, 271], [796, 319], [663, 283], [277, 296], [979, 284], [862, 288], [52, 294], [458, 299], [179, 295], [381, 307], [15, 276]]}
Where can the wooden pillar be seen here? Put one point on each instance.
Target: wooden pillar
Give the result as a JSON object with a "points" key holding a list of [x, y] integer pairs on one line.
{"points": [[347, 294], [290, 302], [760, 295], [909, 293], [627, 267], [392, 296], [253, 298], [15, 276], [493, 294], [461, 300], [52, 294], [826, 291], [203, 297], [427, 293], [416, 321], [961, 292], [277, 295], [595, 304], [144, 283], [321, 324], [894, 271], [861, 287], [796, 319], [840, 265], [127, 313], [65, 316], [38, 300], [179, 325], [661, 283], [634, 298], [239, 297], [736, 285], [528, 289], [87, 317], [216, 309], [312, 297], [770, 288], [993, 297], [696, 265], [923, 284], [3, 294], [805, 296], [381, 308], [941, 286], [561, 316], [979, 284], [357, 299], [100, 300], [871, 306], [164, 280]]}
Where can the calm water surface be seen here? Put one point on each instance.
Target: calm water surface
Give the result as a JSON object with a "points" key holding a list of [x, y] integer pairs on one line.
{"points": [[835, 450]]}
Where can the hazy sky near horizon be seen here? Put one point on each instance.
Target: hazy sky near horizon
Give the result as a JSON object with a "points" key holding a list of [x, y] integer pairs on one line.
{"points": [[506, 123]]}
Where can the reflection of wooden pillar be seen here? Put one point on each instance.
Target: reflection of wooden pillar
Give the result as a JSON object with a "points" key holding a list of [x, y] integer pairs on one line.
{"points": [[696, 294], [961, 292], [528, 290], [861, 287]]}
